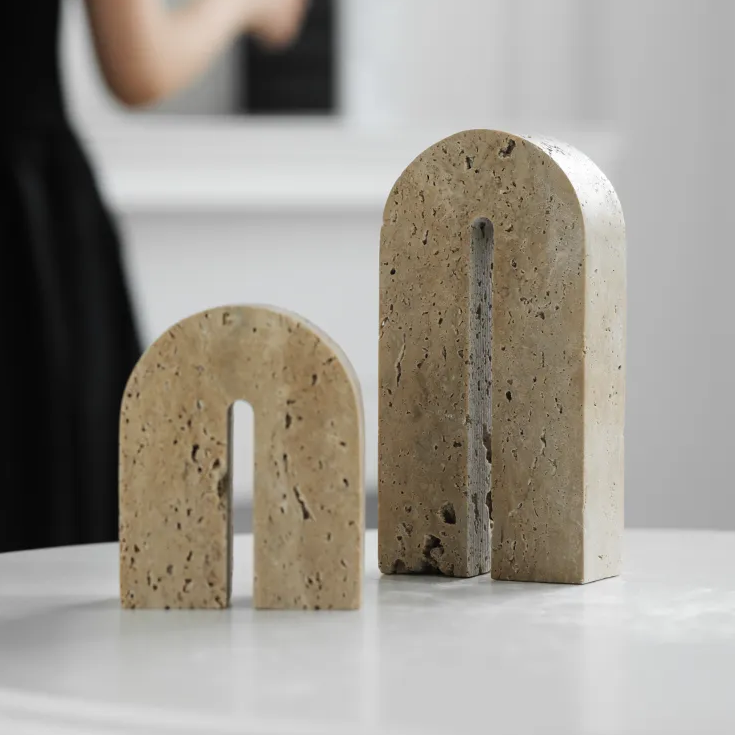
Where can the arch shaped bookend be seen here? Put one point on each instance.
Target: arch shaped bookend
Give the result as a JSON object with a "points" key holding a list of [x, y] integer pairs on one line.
{"points": [[175, 481], [502, 352]]}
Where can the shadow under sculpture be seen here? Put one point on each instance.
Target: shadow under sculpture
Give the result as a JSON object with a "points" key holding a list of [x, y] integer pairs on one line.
{"points": [[502, 363], [175, 460]]}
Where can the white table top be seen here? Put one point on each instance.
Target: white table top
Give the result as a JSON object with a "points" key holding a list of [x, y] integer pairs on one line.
{"points": [[652, 651]]}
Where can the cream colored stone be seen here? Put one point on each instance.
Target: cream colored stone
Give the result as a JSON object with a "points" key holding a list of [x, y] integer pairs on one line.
{"points": [[551, 415], [175, 482]]}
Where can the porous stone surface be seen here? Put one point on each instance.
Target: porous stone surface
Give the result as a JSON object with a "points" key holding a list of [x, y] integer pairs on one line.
{"points": [[175, 481], [530, 231]]}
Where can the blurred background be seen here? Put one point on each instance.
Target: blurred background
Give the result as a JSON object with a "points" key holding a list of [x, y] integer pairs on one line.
{"points": [[264, 182]]}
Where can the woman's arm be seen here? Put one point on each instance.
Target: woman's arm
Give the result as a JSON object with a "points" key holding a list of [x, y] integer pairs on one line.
{"points": [[147, 52]]}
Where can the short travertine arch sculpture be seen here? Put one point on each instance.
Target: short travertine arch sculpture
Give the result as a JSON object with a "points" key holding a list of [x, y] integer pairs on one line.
{"points": [[530, 231], [175, 486]]}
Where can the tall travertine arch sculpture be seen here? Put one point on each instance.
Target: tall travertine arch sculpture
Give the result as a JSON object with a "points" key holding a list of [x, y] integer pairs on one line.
{"points": [[175, 481], [531, 232]]}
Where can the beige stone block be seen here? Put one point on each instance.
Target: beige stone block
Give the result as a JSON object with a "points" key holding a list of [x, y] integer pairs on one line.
{"points": [[175, 460], [502, 347]]}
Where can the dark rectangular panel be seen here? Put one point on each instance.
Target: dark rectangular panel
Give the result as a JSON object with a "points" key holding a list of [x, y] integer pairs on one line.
{"points": [[299, 80]]}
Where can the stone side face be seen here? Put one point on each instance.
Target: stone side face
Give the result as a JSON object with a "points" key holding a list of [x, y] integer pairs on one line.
{"points": [[175, 488], [452, 407], [538, 356], [605, 370]]}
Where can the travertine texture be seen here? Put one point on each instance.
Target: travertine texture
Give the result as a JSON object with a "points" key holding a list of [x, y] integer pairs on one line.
{"points": [[530, 231], [175, 483]]}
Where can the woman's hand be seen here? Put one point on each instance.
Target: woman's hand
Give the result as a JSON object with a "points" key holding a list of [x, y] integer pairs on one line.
{"points": [[276, 23]]}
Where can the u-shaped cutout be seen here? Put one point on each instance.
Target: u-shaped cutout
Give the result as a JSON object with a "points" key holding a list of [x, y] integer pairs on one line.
{"points": [[549, 348], [175, 477], [479, 451]]}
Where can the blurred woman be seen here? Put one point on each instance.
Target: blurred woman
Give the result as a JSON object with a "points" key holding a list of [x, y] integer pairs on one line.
{"points": [[70, 337]]}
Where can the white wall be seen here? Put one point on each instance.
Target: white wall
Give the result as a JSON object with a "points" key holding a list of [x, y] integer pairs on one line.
{"points": [[677, 79], [659, 75]]}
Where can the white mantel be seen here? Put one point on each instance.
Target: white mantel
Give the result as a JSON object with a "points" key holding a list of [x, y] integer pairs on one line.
{"points": [[152, 164]]}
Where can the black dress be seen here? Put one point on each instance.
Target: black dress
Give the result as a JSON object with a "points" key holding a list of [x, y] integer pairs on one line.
{"points": [[68, 335]]}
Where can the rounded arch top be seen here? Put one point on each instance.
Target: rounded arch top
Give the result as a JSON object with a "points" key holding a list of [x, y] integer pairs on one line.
{"points": [[478, 152], [245, 327]]}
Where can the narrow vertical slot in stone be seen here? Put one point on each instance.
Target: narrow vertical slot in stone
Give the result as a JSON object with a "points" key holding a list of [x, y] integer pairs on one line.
{"points": [[240, 468], [480, 405]]}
